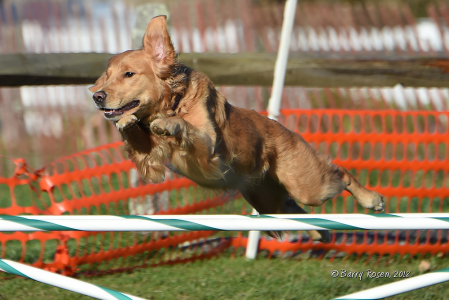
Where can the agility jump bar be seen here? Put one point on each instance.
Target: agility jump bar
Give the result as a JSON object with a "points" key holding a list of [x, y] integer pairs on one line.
{"points": [[63, 282], [225, 222], [401, 286]]}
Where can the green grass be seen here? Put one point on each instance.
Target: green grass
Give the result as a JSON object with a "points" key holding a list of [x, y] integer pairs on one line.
{"points": [[236, 278]]}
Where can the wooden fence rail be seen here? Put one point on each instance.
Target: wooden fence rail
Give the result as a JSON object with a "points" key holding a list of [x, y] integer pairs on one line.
{"points": [[241, 69]]}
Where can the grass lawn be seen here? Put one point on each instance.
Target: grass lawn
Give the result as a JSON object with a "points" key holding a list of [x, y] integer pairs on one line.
{"points": [[236, 278]]}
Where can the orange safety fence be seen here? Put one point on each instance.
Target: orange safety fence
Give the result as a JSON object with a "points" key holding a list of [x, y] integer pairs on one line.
{"points": [[402, 155], [98, 181]]}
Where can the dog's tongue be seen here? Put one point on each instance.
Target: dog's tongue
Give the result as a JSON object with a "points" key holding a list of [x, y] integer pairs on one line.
{"points": [[119, 111], [113, 112]]}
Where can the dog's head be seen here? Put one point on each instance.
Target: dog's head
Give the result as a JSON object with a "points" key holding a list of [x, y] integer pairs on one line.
{"points": [[134, 82]]}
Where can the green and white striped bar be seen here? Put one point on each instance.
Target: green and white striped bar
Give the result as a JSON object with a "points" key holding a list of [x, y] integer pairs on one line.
{"points": [[63, 282], [400, 287], [225, 222]]}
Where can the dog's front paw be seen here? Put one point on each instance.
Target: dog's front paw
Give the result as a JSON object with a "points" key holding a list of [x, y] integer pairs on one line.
{"points": [[166, 127], [126, 123]]}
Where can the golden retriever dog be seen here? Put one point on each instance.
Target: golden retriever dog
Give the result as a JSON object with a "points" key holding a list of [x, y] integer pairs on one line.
{"points": [[170, 115]]}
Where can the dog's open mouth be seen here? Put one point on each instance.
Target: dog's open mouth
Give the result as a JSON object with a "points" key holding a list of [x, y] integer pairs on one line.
{"points": [[109, 112]]}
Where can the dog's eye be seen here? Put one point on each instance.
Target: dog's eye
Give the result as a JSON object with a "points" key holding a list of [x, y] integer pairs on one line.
{"points": [[129, 74]]}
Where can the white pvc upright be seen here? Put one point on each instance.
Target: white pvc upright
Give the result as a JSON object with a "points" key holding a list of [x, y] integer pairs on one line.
{"points": [[253, 242], [274, 105]]}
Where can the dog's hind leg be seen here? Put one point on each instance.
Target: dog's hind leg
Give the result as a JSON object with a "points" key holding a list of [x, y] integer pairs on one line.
{"points": [[269, 197], [312, 179], [366, 198]]}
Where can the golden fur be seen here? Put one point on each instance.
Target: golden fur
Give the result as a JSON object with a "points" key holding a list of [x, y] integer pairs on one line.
{"points": [[183, 122]]}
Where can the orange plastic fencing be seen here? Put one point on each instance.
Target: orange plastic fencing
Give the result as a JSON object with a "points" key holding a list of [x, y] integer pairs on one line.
{"points": [[100, 181], [402, 155]]}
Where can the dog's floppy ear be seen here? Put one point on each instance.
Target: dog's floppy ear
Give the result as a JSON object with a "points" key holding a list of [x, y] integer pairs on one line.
{"points": [[157, 43], [99, 83]]}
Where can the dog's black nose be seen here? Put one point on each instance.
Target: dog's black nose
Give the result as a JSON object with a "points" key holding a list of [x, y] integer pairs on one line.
{"points": [[99, 97]]}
